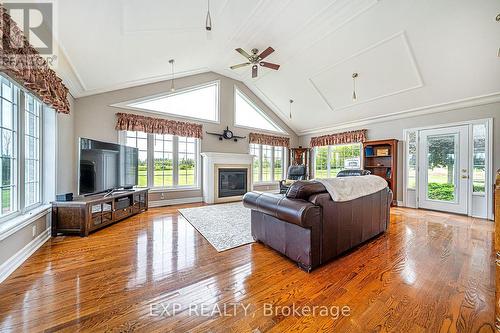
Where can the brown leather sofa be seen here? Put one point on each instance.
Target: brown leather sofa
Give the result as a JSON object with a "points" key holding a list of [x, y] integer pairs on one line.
{"points": [[307, 226]]}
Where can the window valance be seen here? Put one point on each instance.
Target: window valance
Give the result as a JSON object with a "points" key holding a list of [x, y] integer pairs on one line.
{"points": [[269, 140], [339, 138], [24, 64], [133, 122]]}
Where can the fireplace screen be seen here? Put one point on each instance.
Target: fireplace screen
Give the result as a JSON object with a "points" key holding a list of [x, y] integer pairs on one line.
{"points": [[232, 182]]}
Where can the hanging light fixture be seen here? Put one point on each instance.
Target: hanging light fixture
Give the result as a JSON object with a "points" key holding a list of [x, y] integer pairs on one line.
{"points": [[172, 85], [354, 77], [291, 102], [208, 20]]}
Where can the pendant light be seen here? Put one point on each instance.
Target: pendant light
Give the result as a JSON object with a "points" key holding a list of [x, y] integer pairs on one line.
{"points": [[172, 85], [208, 20], [354, 77], [291, 102]]}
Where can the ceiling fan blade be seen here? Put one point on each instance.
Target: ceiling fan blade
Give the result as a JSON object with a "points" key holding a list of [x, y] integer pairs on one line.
{"points": [[270, 65], [266, 52], [254, 71], [243, 52], [240, 65]]}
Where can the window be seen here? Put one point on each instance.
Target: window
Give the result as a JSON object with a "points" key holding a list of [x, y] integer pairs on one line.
{"points": [[255, 151], [479, 158], [165, 161], [329, 160], [33, 109], [247, 114], [140, 140], [187, 161], [20, 149], [269, 162], [9, 94], [411, 181], [200, 102]]}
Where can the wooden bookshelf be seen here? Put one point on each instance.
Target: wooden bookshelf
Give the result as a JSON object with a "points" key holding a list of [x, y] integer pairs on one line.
{"points": [[381, 158]]}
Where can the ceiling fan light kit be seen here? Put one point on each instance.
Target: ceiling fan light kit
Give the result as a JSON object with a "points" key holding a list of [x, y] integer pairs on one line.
{"points": [[255, 59]]}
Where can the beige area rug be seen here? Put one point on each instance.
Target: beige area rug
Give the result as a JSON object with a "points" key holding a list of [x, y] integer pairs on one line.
{"points": [[225, 226]]}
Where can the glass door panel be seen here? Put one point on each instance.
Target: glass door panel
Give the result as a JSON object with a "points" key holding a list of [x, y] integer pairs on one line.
{"points": [[441, 167], [444, 169]]}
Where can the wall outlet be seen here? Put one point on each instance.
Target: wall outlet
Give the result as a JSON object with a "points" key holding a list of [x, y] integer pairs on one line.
{"points": [[34, 230]]}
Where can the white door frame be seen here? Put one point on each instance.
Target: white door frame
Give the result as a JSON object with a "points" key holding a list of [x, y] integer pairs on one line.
{"points": [[489, 163]]}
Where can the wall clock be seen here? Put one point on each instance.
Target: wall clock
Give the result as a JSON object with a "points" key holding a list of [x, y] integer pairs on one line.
{"points": [[228, 135]]}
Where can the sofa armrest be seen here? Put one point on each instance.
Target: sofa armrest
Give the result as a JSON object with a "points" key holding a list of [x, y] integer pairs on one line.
{"points": [[299, 212]]}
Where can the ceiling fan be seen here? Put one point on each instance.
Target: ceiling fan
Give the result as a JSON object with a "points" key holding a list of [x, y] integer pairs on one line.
{"points": [[255, 59]]}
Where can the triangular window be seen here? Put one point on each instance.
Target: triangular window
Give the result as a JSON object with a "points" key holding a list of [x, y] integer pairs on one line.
{"points": [[247, 114], [200, 102]]}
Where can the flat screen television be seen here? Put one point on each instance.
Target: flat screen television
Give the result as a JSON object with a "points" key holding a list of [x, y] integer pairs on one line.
{"points": [[105, 166]]}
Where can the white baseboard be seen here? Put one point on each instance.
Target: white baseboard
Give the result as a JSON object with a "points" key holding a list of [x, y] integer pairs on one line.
{"points": [[17, 259], [171, 202], [400, 204]]}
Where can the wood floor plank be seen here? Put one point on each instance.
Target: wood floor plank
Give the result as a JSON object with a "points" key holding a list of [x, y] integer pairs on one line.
{"points": [[431, 272]]}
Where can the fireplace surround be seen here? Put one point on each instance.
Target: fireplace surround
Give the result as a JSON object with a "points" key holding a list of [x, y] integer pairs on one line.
{"points": [[226, 176]]}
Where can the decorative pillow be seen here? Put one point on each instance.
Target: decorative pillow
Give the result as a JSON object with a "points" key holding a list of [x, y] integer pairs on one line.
{"points": [[303, 189]]}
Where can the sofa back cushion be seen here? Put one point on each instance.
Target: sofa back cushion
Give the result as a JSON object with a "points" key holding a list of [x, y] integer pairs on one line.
{"points": [[303, 189]]}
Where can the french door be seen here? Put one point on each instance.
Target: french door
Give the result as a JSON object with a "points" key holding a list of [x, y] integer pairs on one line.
{"points": [[443, 169]]}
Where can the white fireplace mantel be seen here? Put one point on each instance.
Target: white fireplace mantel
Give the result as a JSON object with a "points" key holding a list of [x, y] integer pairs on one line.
{"points": [[210, 160]]}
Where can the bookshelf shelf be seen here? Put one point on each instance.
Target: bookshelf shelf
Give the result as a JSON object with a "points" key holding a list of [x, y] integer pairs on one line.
{"points": [[373, 151]]}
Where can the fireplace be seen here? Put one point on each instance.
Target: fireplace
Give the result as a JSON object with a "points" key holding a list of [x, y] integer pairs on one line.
{"points": [[226, 176], [232, 182]]}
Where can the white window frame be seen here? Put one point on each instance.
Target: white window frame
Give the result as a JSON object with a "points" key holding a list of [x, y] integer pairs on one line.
{"points": [[329, 154], [259, 180], [126, 104], [122, 139], [19, 170], [40, 150], [258, 109]]}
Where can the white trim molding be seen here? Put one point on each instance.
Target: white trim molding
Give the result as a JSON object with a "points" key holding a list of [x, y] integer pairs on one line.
{"points": [[19, 222], [171, 202], [415, 112], [20, 257], [134, 83]]}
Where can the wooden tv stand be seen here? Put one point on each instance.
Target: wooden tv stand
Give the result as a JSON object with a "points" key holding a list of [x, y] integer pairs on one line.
{"points": [[91, 213]]}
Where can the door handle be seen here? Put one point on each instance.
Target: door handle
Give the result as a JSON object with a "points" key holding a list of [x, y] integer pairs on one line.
{"points": [[465, 177]]}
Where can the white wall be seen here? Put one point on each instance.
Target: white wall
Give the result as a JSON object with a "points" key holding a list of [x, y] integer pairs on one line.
{"points": [[66, 160], [94, 118], [394, 129]]}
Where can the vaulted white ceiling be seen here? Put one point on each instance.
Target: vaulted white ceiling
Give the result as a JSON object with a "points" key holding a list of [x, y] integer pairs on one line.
{"points": [[410, 55]]}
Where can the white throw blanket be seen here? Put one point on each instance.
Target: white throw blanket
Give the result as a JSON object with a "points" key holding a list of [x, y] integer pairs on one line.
{"points": [[350, 188]]}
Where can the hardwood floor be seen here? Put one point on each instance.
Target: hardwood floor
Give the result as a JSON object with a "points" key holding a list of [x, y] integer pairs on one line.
{"points": [[432, 272]]}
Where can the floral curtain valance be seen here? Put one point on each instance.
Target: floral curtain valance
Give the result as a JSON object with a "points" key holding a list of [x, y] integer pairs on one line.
{"points": [[133, 122], [339, 138], [269, 140], [24, 64]]}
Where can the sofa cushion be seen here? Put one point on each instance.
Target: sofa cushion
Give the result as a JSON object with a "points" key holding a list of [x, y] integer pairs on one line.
{"points": [[303, 189], [298, 212]]}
